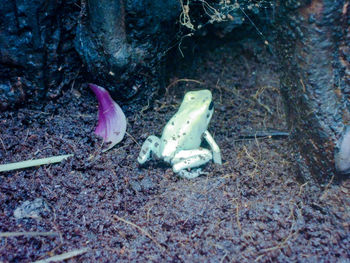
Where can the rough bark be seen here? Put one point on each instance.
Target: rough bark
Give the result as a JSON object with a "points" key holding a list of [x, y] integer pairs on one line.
{"points": [[46, 44], [314, 50], [122, 43], [101, 40], [37, 56]]}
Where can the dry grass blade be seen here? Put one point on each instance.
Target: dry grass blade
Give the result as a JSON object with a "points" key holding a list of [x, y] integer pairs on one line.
{"points": [[3, 145], [180, 80], [140, 229], [284, 242], [17, 234], [132, 138], [63, 256], [32, 163]]}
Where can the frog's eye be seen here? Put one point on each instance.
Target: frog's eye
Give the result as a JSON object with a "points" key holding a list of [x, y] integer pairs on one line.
{"points": [[211, 105]]}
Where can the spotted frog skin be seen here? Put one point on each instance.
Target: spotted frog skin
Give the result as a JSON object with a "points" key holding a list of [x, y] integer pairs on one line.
{"points": [[183, 135]]}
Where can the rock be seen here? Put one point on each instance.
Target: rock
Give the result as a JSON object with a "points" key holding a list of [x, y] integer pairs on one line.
{"points": [[147, 184], [135, 185], [32, 209]]}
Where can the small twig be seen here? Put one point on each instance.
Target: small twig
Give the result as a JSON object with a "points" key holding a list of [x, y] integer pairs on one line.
{"points": [[251, 158], [32, 163], [164, 105], [132, 138], [181, 80], [40, 150], [25, 138], [63, 256], [301, 188], [185, 19], [222, 248], [140, 229], [222, 259], [256, 28], [329, 183], [283, 243], [262, 104], [180, 42], [218, 88], [17, 234], [302, 83], [3, 145], [279, 246], [145, 107], [237, 216], [148, 212], [264, 134], [323, 196]]}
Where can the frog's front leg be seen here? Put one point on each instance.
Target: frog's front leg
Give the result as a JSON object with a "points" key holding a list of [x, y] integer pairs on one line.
{"points": [[149, 147], [188, 159], [214, 147]]}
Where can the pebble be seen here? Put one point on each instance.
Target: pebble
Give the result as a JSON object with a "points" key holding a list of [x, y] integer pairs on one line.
{"points": [[31, 209]]}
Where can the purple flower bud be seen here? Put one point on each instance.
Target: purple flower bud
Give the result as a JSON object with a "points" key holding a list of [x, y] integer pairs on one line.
{"points": [[111, 119]]}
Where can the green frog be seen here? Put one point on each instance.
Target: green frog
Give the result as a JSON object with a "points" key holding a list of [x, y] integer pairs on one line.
{"points": [[182, 136]]}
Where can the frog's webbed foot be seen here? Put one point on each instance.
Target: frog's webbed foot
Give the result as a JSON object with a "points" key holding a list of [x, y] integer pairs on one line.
{"points": [[149, 147], [188, 159], [191, 174]]}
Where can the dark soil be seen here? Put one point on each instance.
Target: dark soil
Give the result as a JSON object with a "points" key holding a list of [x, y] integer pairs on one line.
{"points": [[252, 208]]}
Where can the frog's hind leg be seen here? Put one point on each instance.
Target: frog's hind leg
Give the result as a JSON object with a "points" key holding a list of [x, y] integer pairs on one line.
{"points": [[150, 147], [190, 159]]}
